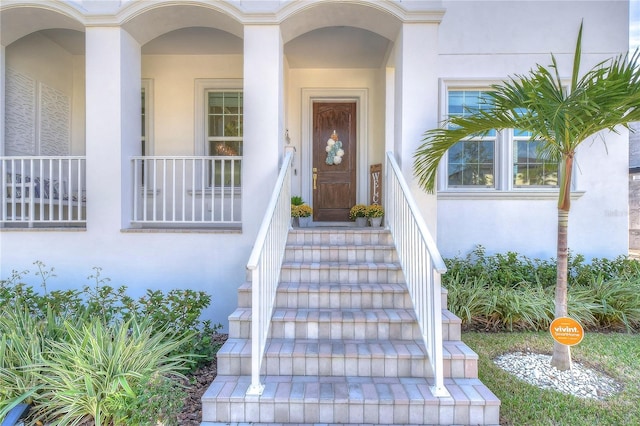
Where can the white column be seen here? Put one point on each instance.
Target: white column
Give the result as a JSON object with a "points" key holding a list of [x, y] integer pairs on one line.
{"points": [[263, 120], [112, 125], [416, 103]]}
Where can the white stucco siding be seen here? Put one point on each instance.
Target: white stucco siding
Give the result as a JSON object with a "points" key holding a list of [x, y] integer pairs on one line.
{"points": [[599, 221], [533, 27], [151, 260]]}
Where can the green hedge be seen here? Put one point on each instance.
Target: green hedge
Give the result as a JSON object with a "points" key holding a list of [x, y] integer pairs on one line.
{"points": [[98, 353], [512, 292]]}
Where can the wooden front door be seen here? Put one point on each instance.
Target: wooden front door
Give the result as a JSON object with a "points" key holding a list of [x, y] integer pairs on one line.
{"points": [[334, 164]]}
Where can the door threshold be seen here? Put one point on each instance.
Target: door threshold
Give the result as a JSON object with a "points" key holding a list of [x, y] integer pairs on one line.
{"points": [[332, 224]]}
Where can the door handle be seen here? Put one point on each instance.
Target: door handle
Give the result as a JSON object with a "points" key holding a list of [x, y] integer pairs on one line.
{"points": [[315, 178]]}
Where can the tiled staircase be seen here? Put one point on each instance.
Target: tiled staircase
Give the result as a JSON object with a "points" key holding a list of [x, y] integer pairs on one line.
{"points": [[344, 347]]}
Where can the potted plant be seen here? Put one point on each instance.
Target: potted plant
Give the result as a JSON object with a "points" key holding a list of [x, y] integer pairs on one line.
{"points": [[375, 213], [299, 209], [359, 214]]}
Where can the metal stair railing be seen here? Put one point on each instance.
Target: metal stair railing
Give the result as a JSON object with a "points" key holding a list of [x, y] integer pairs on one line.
{"points": [[265, 264], [421, 263]]}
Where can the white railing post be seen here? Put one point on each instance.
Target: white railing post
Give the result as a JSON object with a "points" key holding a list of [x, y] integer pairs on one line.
{"points": [[421, 263], [265, 264]]}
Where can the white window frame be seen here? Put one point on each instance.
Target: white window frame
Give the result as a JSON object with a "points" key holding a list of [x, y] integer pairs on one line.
{"points": [[503, 158], [202, 87]]}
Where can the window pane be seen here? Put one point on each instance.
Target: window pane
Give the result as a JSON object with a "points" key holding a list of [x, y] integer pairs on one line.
{"points": [[518, 133], [225, 114], [470, 163], [456, 102], [231, 127], [215, 125], [528, 169]]}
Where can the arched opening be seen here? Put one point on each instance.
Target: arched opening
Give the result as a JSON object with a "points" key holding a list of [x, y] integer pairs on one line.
{"points": [[334, 56], [44, 128], [192, 108]]}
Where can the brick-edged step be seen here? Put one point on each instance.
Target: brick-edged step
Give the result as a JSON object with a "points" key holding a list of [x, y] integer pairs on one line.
{"points": [[339, 236], [341, 272], [388, 358], [373, 400], [333, 323], [340, 253], [305, 294], [344, 324], [343, 296], [333, 295]]}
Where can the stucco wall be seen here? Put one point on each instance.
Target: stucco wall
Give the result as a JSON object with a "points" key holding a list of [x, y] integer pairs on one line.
{"points": [[173, 79]]}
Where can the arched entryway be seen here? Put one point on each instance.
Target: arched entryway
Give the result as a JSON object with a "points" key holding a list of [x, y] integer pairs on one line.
{"points": [[336, 60]]}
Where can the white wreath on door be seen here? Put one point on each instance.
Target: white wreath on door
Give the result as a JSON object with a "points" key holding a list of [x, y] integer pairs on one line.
{"points": [[334, 150]]}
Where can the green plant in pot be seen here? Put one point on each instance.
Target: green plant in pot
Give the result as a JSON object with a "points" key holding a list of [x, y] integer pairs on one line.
{"points": [[299, 209], [375, 213], [359, 214]]}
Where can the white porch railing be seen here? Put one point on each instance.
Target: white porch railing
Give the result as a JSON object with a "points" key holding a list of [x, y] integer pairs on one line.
{"points": [[265, 263], [187, 190], [43, 190], [421, 263]]}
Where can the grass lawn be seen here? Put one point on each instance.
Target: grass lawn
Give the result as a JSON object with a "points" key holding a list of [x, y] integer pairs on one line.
{"points": [[616, 354]]}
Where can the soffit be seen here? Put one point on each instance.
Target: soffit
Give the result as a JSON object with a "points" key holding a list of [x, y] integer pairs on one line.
{"points": [[194, 41], [18, 22], [337, 47], [152, 23]]}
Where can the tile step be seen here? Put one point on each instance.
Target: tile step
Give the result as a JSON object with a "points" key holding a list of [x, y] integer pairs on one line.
{"points": [[328, 295], [341, 272], [388, 358], [319, 236], [340, 253], [338, 323], [344, 324], [358, 400]]}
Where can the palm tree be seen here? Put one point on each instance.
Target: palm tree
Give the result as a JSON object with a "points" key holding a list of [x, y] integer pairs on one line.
{"points": [[559, 119]]}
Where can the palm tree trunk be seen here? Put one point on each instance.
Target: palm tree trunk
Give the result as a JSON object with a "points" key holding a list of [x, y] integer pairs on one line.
{"points": [[561, 358]]}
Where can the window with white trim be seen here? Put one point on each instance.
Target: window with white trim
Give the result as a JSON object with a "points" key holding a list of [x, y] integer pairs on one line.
{"points": [[503, 160], [224, 136]]}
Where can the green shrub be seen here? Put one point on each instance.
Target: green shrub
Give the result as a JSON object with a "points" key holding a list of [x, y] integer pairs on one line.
{"points": [[177, 310], [23, 339], [510, 291], [160, 399], [100, 371], [79, 354]]}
